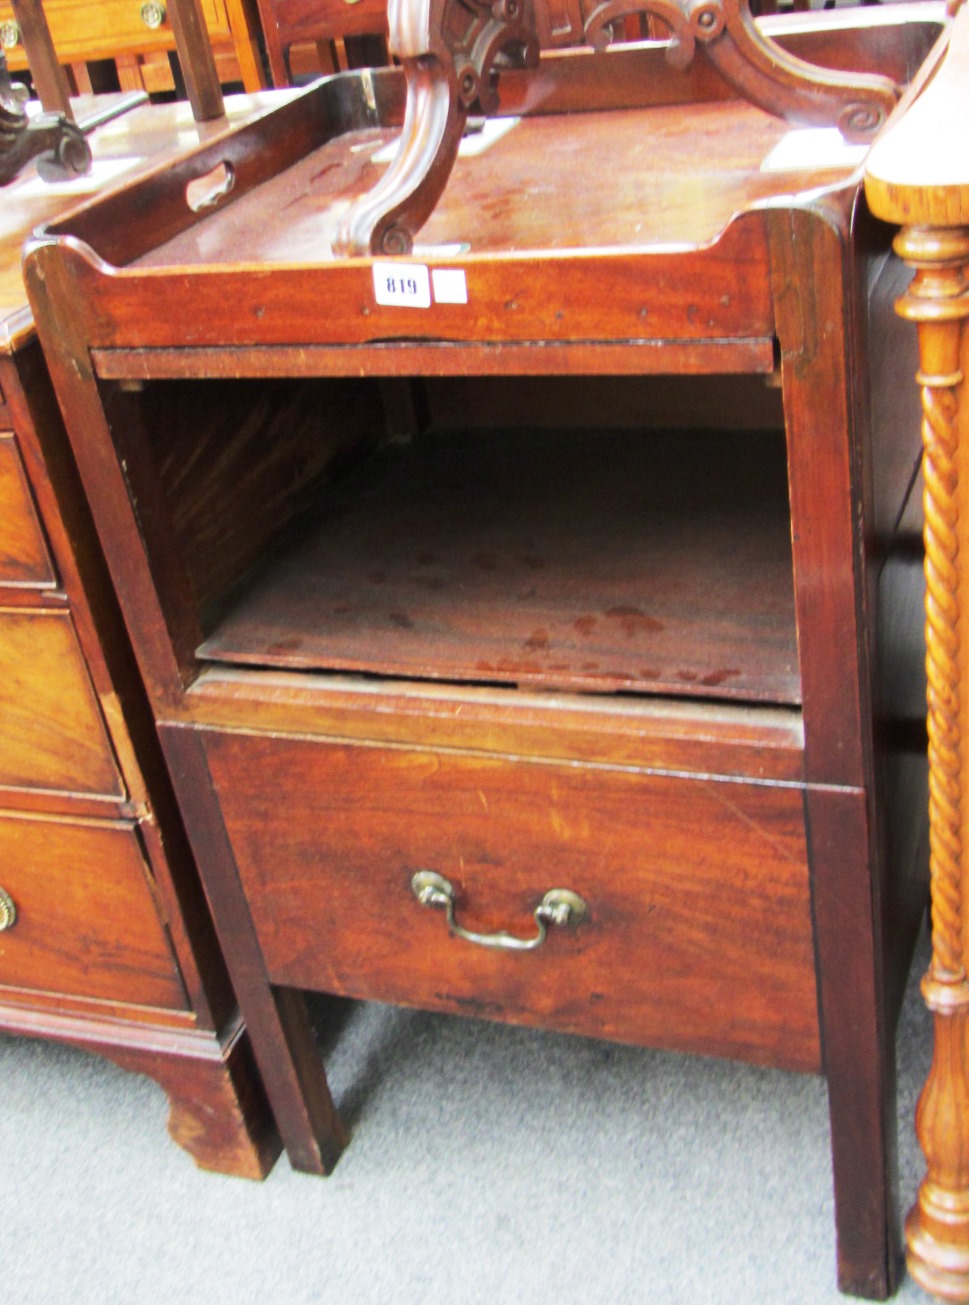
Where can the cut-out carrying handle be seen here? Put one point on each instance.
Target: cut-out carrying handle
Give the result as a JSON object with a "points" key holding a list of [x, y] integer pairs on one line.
{"points": [[210, 190]]}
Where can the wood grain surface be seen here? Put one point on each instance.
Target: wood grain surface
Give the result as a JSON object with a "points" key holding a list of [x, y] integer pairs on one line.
{"points": [[53, 731], [570, 560], [113, 948], [24, 556], [87, 922], [679, 875]]}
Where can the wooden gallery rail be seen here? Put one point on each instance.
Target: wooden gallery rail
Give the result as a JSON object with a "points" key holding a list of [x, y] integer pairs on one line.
{"points": [[917, 179]]}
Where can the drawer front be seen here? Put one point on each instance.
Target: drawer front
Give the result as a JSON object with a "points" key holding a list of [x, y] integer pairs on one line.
{"points": [[24, 559], [81, 30], [86, 924], [698, 932], [314, 20], [51, 725]]}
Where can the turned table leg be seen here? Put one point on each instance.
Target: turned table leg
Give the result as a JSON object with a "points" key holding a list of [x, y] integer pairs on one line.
{"points": [[937, 1229]]}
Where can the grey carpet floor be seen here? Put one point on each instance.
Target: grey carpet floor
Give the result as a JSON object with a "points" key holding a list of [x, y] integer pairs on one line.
{"points": [[487, 1164]]}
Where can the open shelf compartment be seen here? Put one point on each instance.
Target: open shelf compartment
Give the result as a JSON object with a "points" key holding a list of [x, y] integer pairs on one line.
{"points": [[630, 560]]}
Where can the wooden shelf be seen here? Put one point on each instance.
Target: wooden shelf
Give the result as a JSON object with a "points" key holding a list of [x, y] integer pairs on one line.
{"points": [[610, 561]]}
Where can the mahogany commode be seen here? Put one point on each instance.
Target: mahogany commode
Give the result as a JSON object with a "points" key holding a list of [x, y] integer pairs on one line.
{"points": [[570, 553]]}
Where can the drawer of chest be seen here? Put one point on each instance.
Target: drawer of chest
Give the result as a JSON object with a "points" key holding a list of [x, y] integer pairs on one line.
{"points": [[24, 558], [313, 20], [51, 725], [695, 928], [78, 915], [81, 30]]}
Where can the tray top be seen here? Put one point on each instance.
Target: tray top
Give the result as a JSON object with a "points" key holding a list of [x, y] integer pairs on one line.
{"points": [[670, 176], [122, 148], [610, 199]]}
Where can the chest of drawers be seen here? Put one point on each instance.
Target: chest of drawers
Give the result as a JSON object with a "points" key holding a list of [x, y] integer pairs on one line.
{"points": [[106, 941], [527, 620], [131, 32]]}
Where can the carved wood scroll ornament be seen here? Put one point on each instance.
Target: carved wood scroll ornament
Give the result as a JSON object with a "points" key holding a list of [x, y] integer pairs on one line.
{"points": [[452, 51]]}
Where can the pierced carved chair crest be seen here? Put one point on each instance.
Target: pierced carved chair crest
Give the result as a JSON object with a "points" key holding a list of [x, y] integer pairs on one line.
{"points": [[452, 51]]}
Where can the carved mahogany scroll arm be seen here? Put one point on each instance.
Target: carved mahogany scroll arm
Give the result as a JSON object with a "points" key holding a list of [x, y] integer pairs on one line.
{"points": [[918, 178], [452, 50], [386, 218], [757, 67], [780, 83]]}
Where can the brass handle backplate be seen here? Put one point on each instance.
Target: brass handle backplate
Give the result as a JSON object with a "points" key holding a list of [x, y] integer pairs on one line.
{"points": [[559, 906], [153, 14], [8, 911], [9, 34]]}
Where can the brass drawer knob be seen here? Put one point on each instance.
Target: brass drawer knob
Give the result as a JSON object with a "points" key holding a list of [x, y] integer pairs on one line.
{"points": [[9, 34], [153, 14], [559, 906], [8, 911]]}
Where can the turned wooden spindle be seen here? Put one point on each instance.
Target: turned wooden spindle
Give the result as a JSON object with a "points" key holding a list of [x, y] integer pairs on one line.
{"points": [[918, 177], [938, 301]]}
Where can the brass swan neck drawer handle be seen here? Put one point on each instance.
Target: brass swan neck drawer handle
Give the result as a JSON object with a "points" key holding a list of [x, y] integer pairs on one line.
{"points": [[559, 906], [8, 911]]}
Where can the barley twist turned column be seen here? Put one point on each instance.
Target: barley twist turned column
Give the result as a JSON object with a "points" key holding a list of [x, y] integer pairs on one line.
{"points": [[938, 301], [917, 177]]}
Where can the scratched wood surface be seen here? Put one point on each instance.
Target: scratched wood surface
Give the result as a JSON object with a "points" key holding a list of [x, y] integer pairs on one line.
{"points": [[87, 922], [723, 872], [53, 732], [623, 561], [24, 556]]}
